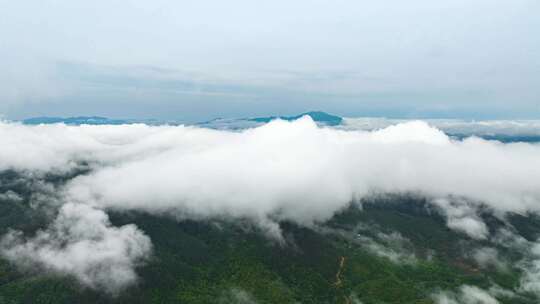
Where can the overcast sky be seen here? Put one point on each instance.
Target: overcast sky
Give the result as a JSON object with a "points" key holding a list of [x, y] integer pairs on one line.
{"points": [[195, 60]]}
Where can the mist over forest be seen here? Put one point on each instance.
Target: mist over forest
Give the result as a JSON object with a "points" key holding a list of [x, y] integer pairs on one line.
{"points": [[96, 212]]}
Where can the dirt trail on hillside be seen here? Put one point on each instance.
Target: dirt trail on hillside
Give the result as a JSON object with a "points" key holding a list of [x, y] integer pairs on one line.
{"points": [[340, 270]]}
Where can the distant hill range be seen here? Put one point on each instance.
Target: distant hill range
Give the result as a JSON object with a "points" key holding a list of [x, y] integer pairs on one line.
{"points": [[317, 116], [79, 120], [86, 120]]}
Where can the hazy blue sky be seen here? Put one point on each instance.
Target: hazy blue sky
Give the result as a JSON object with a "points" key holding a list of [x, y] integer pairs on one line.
{"points": [[201, 59]]}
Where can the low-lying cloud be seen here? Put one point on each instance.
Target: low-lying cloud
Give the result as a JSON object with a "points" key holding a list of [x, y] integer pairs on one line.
{"points": [[466, 295], [82, 242], [301, 172], [454, 126], [294, 171]]}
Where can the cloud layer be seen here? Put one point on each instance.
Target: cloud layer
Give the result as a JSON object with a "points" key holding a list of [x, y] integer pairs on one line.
{"points": [[283, 170], [454, 126], [298, 171], [286, 170], [82, 242], [466, 295]]}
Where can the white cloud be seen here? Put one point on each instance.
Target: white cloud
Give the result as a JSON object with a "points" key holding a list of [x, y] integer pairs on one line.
{"points": [[461, 216], [530, 281], [282, 170], [487, 256], [10, 196], [237, 296], [529, 264], [298, 171], [82, 242], [293, 170], [390, 246], [454, 126], [465, 295]]}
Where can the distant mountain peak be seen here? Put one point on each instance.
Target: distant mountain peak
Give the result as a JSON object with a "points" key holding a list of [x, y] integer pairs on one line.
{"points": [[317, 116]]}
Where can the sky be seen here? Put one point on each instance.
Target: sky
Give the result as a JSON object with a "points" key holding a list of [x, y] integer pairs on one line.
{"points": [[198, 60]]}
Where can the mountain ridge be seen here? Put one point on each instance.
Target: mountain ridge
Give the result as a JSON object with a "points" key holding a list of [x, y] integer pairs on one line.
{"points": [[317, 116]]}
